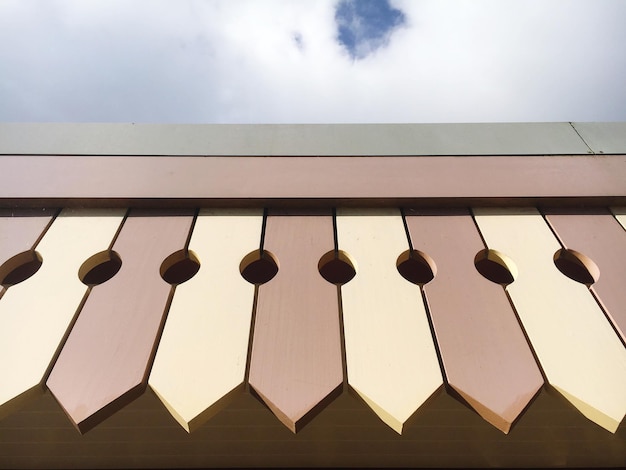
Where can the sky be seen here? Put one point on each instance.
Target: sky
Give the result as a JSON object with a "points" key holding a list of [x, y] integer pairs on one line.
{"points": [[312, 61]]}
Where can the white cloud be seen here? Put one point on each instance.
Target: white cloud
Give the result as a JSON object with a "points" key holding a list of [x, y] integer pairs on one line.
{"points": [[239, 61]]}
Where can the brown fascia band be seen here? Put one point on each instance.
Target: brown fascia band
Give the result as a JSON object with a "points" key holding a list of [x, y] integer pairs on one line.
{"points": [[303, 181]]}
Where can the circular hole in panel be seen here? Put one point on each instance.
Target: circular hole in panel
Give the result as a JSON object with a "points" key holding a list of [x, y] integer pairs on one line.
{"points": [[576, 266], [416, 267], [100, 268], [336, 267], [19, 268], [258, 267], [495, 266], [179, 267]]}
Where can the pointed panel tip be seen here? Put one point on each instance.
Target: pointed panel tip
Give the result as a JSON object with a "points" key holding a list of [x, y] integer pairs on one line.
{"points": [[296, 421], [500, 420], [288, 421], [180, 419], [610, 423], [394, 422]]}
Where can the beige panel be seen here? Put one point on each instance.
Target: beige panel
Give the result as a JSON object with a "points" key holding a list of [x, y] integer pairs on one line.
{"points": [[202, 354], [578, 349], [35, 314], [620, 215], [390, 355]]}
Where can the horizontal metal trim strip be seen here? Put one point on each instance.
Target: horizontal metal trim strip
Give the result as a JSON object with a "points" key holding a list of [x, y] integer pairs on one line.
{"points": [[132, 177], [295, 139]]}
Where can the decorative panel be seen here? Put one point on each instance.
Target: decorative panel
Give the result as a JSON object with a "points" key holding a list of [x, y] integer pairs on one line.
{"points": [[391, 359], [35, 314], [599, 241], [296, 351], [580, 353], [107, 356], [201, 359], [484, 352]]}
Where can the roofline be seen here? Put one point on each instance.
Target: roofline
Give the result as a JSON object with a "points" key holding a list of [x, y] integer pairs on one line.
{"points": [[312, 165], [551, 138], [181, 181]]}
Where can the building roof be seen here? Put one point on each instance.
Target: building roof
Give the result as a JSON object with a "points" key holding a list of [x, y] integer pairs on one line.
{"points": [[415, 295]]}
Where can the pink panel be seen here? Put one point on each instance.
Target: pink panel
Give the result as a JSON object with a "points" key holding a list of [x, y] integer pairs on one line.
{"points": [[601, 238], [486, 357], [296, 353], [107, 356]]}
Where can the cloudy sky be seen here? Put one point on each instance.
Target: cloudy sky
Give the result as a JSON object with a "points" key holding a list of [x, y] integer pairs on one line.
{"points": [[312, 61]]}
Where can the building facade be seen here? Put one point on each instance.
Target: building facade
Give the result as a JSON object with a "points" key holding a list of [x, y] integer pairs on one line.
{"points": [[409, 295]]}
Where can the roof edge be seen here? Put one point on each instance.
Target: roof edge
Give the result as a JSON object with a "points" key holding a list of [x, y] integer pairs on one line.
{"points": [[530, 138]]}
